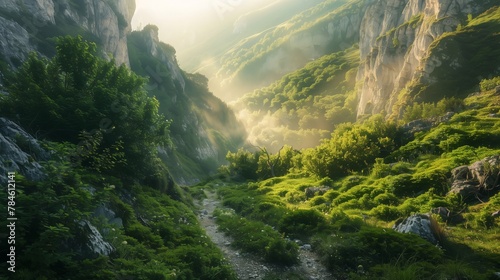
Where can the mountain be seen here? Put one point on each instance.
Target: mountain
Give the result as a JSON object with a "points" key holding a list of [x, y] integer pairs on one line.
{"points": [[407, 51], [203, 128], [425, 50], [233, 26], [31, 25], [264, 57], [199, 119]]}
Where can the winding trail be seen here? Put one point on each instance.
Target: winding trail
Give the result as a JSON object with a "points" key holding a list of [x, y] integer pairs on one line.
{"points": [[248, 266]]}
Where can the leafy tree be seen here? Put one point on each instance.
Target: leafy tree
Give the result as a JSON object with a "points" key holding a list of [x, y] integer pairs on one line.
{"points": [[243, 164], [352, 148], [279, 164], [76, 93]]}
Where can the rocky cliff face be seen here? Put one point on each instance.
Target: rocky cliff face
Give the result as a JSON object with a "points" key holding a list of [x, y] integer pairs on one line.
{"points": [[395, 41], [203, 128], [27, 24], [20, 152]]}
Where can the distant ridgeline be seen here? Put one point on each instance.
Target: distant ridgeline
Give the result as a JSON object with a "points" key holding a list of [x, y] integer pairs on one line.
{"points": [[203, 129]]}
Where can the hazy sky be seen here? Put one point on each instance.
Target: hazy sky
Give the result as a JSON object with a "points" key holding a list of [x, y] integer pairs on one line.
{"points": [[183, 22]]}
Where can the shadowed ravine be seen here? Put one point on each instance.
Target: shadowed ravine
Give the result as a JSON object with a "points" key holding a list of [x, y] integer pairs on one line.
{"points": [[246, 265]]}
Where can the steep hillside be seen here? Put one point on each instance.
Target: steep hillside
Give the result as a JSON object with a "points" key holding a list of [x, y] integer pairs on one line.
{"points": [[233, 27], [199, 120], [203, 128], [407, 51], [89, 197], [304, 106], [32, 25], [260, 59], [351, 198]]}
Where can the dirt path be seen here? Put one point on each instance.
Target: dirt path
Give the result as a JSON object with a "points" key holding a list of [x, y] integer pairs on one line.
{"points": [[248, 266]]}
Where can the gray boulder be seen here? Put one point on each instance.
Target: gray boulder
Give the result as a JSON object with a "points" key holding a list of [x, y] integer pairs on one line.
{"points": [[314, 191], [419, 224], [20, 152], [96, 245], [479, 176]]}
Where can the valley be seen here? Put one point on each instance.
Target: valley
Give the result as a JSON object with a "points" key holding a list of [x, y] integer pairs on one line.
{"points": [[328, 139]]}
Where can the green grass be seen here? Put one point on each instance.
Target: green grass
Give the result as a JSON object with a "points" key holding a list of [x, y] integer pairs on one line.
{"points": [[257, 238], [350, 224]]}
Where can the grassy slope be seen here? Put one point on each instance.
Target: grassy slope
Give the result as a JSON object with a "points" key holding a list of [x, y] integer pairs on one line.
{"points": [[349, 224]]}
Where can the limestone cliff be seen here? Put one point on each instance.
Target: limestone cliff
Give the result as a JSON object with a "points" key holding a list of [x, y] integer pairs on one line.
{"points": [[28, 25], [395, 47]]}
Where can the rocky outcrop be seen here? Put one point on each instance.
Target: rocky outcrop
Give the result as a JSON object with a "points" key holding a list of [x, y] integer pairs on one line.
{"points": [[109, 21], [96, 245], [15, 44], [395, 45], [424, 125], [202, 125], [41, 11], [19, 152], [473, 180], [419, 224], [165, 54]]}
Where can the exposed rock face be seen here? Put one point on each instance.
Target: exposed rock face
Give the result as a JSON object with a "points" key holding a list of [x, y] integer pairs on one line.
{"points": [[19, 152], [15, 44], [418, 224], [42, 11], [202, 126], [154, 47], [394, 43], [409, 129], [334, 32], [108, 214], [96, 244], [109, 21], [480, 176]]}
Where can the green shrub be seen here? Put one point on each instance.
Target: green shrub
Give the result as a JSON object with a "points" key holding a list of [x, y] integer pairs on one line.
{"points": [[144, 234], [343, 222], [269, 213], [295, 197], [386, 198], [385, 212], [458, 270], [301, 223], [318, 200], [489, 84]]}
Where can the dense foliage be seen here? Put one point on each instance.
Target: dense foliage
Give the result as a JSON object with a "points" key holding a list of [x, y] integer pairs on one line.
{"points": [[369, 175], [107, 208], [304, 106], [80, 98]]}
